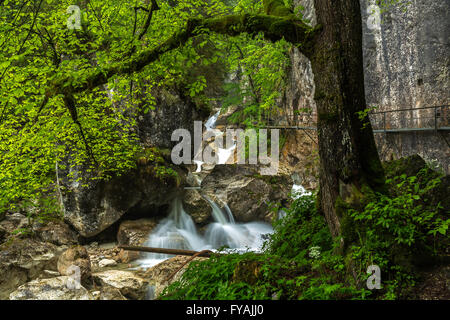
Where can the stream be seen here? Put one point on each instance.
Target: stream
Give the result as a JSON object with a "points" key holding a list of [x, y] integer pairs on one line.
{"points": [[178, 230]]}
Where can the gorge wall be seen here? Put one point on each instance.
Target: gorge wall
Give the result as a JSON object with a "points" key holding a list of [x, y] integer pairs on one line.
{"points": [[406, 65]]}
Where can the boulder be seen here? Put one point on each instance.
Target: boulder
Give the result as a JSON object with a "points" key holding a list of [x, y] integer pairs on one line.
{"points": [[50, 289], [248, 194], [76, 256], [198, 208], [128, 283], [23, 260], [58, 233], [135, 232], [107, 263], [108, 293], [94, 206], [159, 275]]}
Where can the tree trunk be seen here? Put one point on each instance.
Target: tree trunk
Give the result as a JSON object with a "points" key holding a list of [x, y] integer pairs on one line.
{"points": [[348, 155]]}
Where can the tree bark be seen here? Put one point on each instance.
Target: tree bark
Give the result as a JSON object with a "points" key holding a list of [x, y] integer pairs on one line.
{"points": [[348, 155]]}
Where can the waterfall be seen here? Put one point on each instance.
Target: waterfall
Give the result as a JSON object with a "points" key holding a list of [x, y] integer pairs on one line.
{"points": [[211, 122], [178, 231], [299, 191]]}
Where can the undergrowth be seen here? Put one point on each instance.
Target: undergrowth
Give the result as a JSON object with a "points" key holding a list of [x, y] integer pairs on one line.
{"points": [[399, 233]]}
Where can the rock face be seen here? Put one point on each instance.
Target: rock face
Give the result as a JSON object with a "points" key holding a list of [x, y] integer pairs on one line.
{"points": [[50, 289], [24, 260], [128, 283], [406, 65], [299, 157], [12, 222], [94, 207], [76, 256], [173, 111], [57, 233], [248, 194]]}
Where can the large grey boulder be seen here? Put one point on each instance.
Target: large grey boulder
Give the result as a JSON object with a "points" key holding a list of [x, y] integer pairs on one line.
{"points": [[23, 260], [128, 283], [58, 288], [165, 273], [248, 194]]}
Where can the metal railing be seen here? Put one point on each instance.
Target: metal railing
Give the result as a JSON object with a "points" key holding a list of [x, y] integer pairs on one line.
{"points": [[435, 118]]}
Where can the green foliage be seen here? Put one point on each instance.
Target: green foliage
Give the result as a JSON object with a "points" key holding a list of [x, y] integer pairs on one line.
{"points": [[301, 229], [305, 268], [37, 47], [261, 69], [400, 231]]}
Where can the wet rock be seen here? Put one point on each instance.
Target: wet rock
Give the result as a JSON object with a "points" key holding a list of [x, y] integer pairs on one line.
{"points": [[126, 256], [108, 293], [135, 232], [24, 260], [107, 263], [58, 233], [76, 256], [50, 289], [128, 283], [248, 194], [197, 207], [159, 275]]}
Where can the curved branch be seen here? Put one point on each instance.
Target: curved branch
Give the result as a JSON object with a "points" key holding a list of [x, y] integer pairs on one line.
{"points": [[274, 28]]}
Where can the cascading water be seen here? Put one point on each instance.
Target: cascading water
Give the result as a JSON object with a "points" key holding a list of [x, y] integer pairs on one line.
{"points": [[299, 191], [178, 231]]}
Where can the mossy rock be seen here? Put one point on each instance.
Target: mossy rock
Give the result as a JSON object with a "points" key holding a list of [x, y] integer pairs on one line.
{"points": [[409, 166]]}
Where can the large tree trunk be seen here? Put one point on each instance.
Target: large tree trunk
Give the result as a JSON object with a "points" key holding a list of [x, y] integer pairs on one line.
{"points": [[348, 156]]}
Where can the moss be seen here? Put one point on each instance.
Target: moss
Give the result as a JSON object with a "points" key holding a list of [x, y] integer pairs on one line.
{"points": [[276, 8]]}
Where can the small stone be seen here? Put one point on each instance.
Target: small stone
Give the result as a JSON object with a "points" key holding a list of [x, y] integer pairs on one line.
{"points": [[107, 263]]}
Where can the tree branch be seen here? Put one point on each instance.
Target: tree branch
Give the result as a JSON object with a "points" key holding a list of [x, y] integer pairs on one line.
{"points": [[274, 29]]}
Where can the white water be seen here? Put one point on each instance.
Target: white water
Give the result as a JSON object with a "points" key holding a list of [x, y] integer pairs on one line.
{"points": [[211, 122], [222, 154], [178, 231], [299, 191]]}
